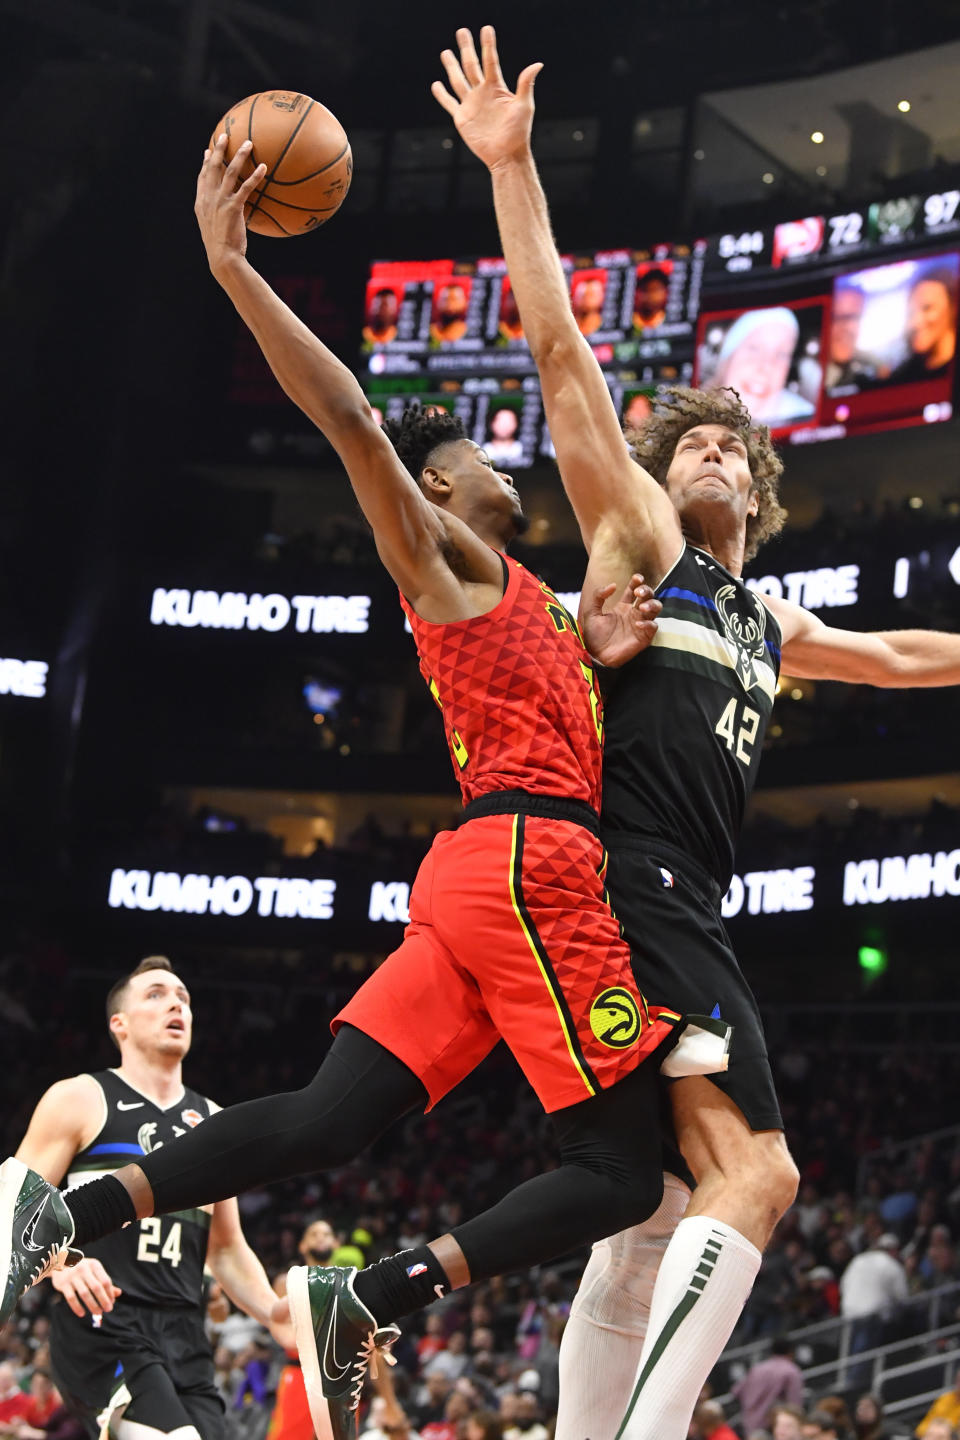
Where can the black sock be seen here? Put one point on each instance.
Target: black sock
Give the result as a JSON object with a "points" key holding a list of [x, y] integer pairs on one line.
{"points": [[401, 1284], [98, 1208]]}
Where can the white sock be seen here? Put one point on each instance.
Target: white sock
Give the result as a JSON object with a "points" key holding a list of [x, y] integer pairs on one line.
{"points": [[603, 1337], [702, 1285]]}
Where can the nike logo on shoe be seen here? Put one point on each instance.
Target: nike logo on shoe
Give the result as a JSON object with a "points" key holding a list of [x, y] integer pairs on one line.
{"points": [[330, 1360], [30, 1229], [129, 1104]]}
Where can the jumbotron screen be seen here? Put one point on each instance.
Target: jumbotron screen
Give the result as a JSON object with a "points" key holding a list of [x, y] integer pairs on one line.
{"points": [[828, 326]]}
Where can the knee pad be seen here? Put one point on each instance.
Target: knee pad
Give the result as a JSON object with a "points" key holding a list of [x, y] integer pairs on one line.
{"points": [[618, 1282]]}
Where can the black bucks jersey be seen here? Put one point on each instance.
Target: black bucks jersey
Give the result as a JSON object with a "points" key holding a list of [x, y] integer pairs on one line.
{"points": [[159, 1260], [685, 719]]}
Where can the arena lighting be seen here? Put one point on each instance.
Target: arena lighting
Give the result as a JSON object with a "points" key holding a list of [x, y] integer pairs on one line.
{"points": [[903, 106], [817, 137], [768, 177], [872, 960]]}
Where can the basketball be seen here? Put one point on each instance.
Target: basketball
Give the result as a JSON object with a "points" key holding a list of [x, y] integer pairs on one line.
{"points": [[307, 155]]}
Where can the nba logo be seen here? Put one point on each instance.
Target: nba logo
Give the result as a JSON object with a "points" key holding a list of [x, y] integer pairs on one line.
{"points": [[413, 1270], [666, 879]]}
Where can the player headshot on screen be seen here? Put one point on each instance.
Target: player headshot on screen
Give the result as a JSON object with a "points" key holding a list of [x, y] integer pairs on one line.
{"points": [[755, 360], [450, 313], [503, 446], [588, 304], [847, 367], [509, 325], [650, 299], [931, 325], [383, 308], [637, 409]]}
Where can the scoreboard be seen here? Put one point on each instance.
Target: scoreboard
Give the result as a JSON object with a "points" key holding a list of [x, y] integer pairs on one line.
{"points": [[829, 325]]}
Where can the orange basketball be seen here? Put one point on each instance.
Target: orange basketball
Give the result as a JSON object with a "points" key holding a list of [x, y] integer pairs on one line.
{"points": [[307, 155]]}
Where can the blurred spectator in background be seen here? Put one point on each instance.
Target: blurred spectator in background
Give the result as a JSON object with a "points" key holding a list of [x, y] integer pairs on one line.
{"points": [[785, 1422], [527, 1422], [14, 1403], [945, 1408], [871, 1288], [821, 1425], [483, 1425], [777, 1378], [868, 1419], [709, 1423]]}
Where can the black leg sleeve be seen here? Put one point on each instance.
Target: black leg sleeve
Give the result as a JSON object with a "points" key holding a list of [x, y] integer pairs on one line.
{"points": [[358, 1091], [610, 1178]]}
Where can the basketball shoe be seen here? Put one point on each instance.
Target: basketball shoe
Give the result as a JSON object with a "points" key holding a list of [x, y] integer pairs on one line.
{"points": [[338, 1340], [36, 1230]]}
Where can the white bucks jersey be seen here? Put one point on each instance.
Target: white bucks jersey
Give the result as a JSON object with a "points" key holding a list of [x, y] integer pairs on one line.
{"points": [[685, 719], [157, 1261]]}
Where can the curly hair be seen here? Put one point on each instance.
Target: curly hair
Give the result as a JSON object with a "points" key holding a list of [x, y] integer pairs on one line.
{"points": [[419, 431], [678, 409]]}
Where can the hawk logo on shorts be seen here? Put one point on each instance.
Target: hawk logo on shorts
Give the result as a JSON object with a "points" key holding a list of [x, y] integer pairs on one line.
{"points": [[615, 1018], [745, 633]]}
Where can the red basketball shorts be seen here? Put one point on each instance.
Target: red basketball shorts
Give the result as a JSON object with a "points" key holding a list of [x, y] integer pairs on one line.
{"points": [[511, 935]]}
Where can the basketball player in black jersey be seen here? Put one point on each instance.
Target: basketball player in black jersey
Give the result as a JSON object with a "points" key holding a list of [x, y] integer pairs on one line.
{"points": [[692, 499], [128, 1338]]}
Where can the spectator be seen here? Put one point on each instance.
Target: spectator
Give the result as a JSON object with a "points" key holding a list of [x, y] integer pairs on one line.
{"points": [[940, 1430], [433, 1340], [14, 1404], [483, 1425], [527, 1424], [868, 1419], [710, 1423], [821, 1425], [946, 1407], [836, 1406], [786, 1422], [770, 1380], [871, 1287], [453, 1361]]}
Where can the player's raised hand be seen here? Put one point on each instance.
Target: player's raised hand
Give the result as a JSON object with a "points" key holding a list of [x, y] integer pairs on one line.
{"points": [[493, 120], [86, 1287], [221, 196], [614, 636]]}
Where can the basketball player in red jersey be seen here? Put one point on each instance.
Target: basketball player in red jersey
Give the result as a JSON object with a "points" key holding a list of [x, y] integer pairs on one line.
{"points": [[510, 933]]}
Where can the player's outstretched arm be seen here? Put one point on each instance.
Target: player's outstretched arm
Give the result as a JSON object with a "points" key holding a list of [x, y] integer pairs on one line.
{"points": [[608, 490], [893, 659], [407, 528], [67, 1118], [238, 1270]]}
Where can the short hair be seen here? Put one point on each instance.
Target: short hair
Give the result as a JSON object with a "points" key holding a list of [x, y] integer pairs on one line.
{"points": [[782, 1345], [823, 1420], [678, 409], [419, 433], [655, 274], [938, 274], [117, 993]]}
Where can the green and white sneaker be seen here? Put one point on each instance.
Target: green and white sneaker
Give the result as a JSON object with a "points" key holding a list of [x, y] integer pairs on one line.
{"points": [[36, 1230], [338, 1339]]}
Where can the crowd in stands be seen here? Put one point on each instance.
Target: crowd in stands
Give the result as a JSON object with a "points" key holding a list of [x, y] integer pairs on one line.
{"points": [[483, 1363]]}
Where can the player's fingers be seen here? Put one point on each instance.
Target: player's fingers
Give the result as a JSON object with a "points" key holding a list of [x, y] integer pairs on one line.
{"points": [[526, 80], [234, 171], [251, 183], [455, 76], [74, 1304], [468, 57], [443, 97], [488, 50]]}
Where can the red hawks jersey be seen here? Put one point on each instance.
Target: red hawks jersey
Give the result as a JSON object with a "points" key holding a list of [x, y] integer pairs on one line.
{"points": [[520, 702]]}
